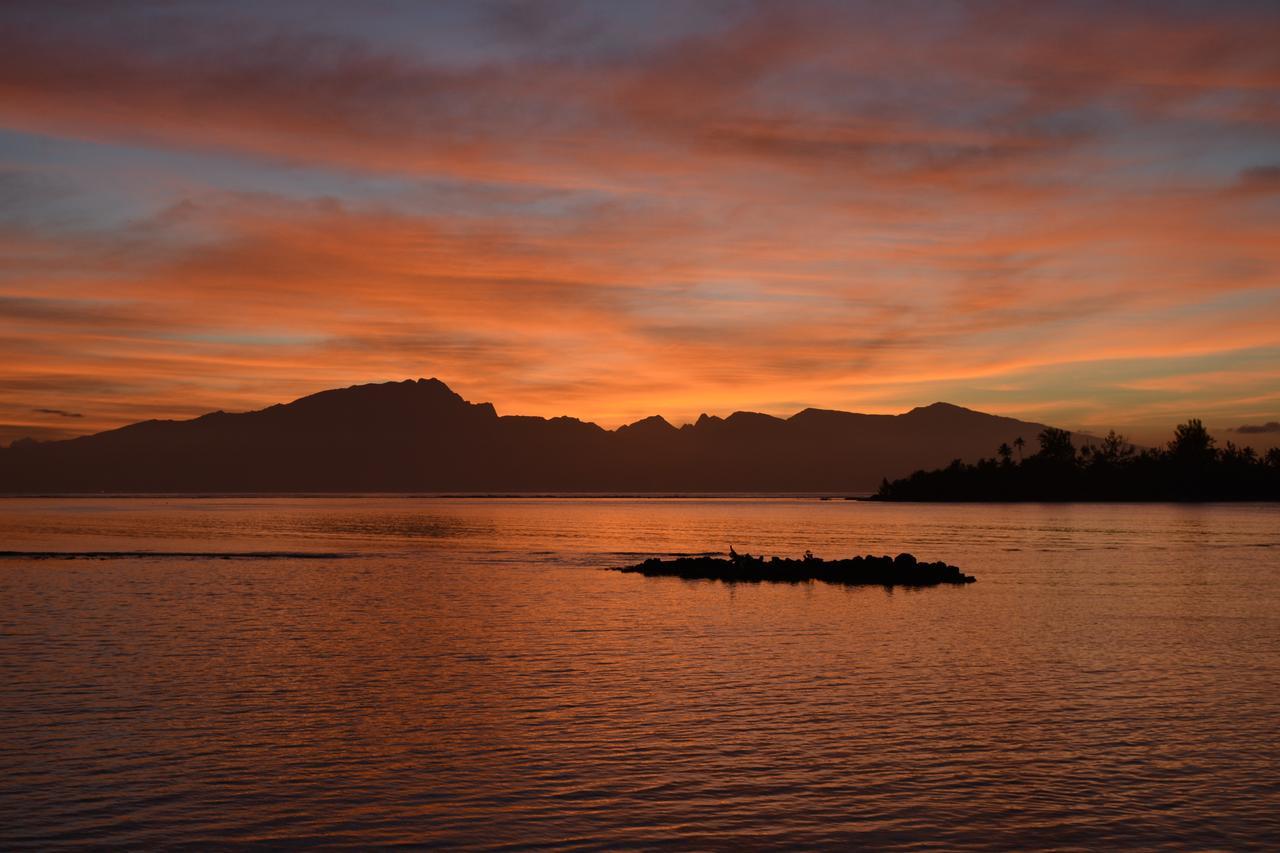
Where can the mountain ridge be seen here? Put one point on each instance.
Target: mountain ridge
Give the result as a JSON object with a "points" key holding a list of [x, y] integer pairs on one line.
{"points": [[420, 435]]}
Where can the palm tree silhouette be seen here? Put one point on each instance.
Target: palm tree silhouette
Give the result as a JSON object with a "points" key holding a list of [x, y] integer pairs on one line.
{"points": [[1019, 443]]}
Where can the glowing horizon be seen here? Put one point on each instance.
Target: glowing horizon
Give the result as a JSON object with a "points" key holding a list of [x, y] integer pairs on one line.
{"points": [[612, 211]]}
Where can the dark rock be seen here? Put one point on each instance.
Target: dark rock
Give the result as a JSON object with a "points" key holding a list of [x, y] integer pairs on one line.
{"points": [[904, 570]]}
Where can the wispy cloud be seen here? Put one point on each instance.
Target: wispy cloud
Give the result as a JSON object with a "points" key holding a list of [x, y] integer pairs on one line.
{"points": [[1259, 429], [614, 210]]}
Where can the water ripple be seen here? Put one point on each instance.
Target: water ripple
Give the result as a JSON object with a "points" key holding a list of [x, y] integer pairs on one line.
{"points": [[468, 679]]}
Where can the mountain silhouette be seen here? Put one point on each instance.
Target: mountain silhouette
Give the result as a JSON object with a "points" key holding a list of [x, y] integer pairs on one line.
{"points": [[414, 436]]}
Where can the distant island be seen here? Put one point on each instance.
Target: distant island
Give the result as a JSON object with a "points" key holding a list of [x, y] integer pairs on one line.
{"points": [[420, 436], [1190, 468], [902, 570]]}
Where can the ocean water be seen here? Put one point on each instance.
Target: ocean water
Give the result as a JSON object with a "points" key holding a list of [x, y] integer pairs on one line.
{"points": [[444, 672]]}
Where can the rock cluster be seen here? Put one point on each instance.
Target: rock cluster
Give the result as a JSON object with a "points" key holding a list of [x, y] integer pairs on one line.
{"points": [[902, 570]]}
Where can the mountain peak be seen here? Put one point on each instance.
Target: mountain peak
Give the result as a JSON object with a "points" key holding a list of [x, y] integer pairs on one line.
{"points": [[418, 435], [397, 402], [654, 424], [940, 408]]}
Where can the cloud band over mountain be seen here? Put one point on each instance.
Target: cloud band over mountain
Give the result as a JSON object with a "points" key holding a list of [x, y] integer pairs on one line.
{"points": [[1065, 211]]}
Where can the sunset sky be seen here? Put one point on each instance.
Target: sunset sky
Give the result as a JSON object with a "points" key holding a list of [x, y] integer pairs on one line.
{"points": [[1068, 213]]}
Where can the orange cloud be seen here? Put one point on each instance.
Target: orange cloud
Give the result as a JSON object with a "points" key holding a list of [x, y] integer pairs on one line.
{"points": [[828, 205]]}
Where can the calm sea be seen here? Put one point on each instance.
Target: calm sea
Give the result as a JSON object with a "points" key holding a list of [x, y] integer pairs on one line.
{"points": [[461, 672]]}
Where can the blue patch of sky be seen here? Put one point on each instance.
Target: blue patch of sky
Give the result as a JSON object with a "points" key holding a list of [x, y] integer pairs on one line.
{"points": [[446, 33], [263, 338], [1242, 303], [115, 182], [97, 185], [716, 302], [468, 33], [1181, 152]]}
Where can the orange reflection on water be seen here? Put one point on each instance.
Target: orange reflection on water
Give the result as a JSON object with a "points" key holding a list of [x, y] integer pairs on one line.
{"points": [[466, 672]]}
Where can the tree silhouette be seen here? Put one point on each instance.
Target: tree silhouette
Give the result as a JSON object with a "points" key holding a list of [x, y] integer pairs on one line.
{"points": [[1114, 448], [1192, 443], [1056, 446], [1019, 443], [1188, 468]]}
